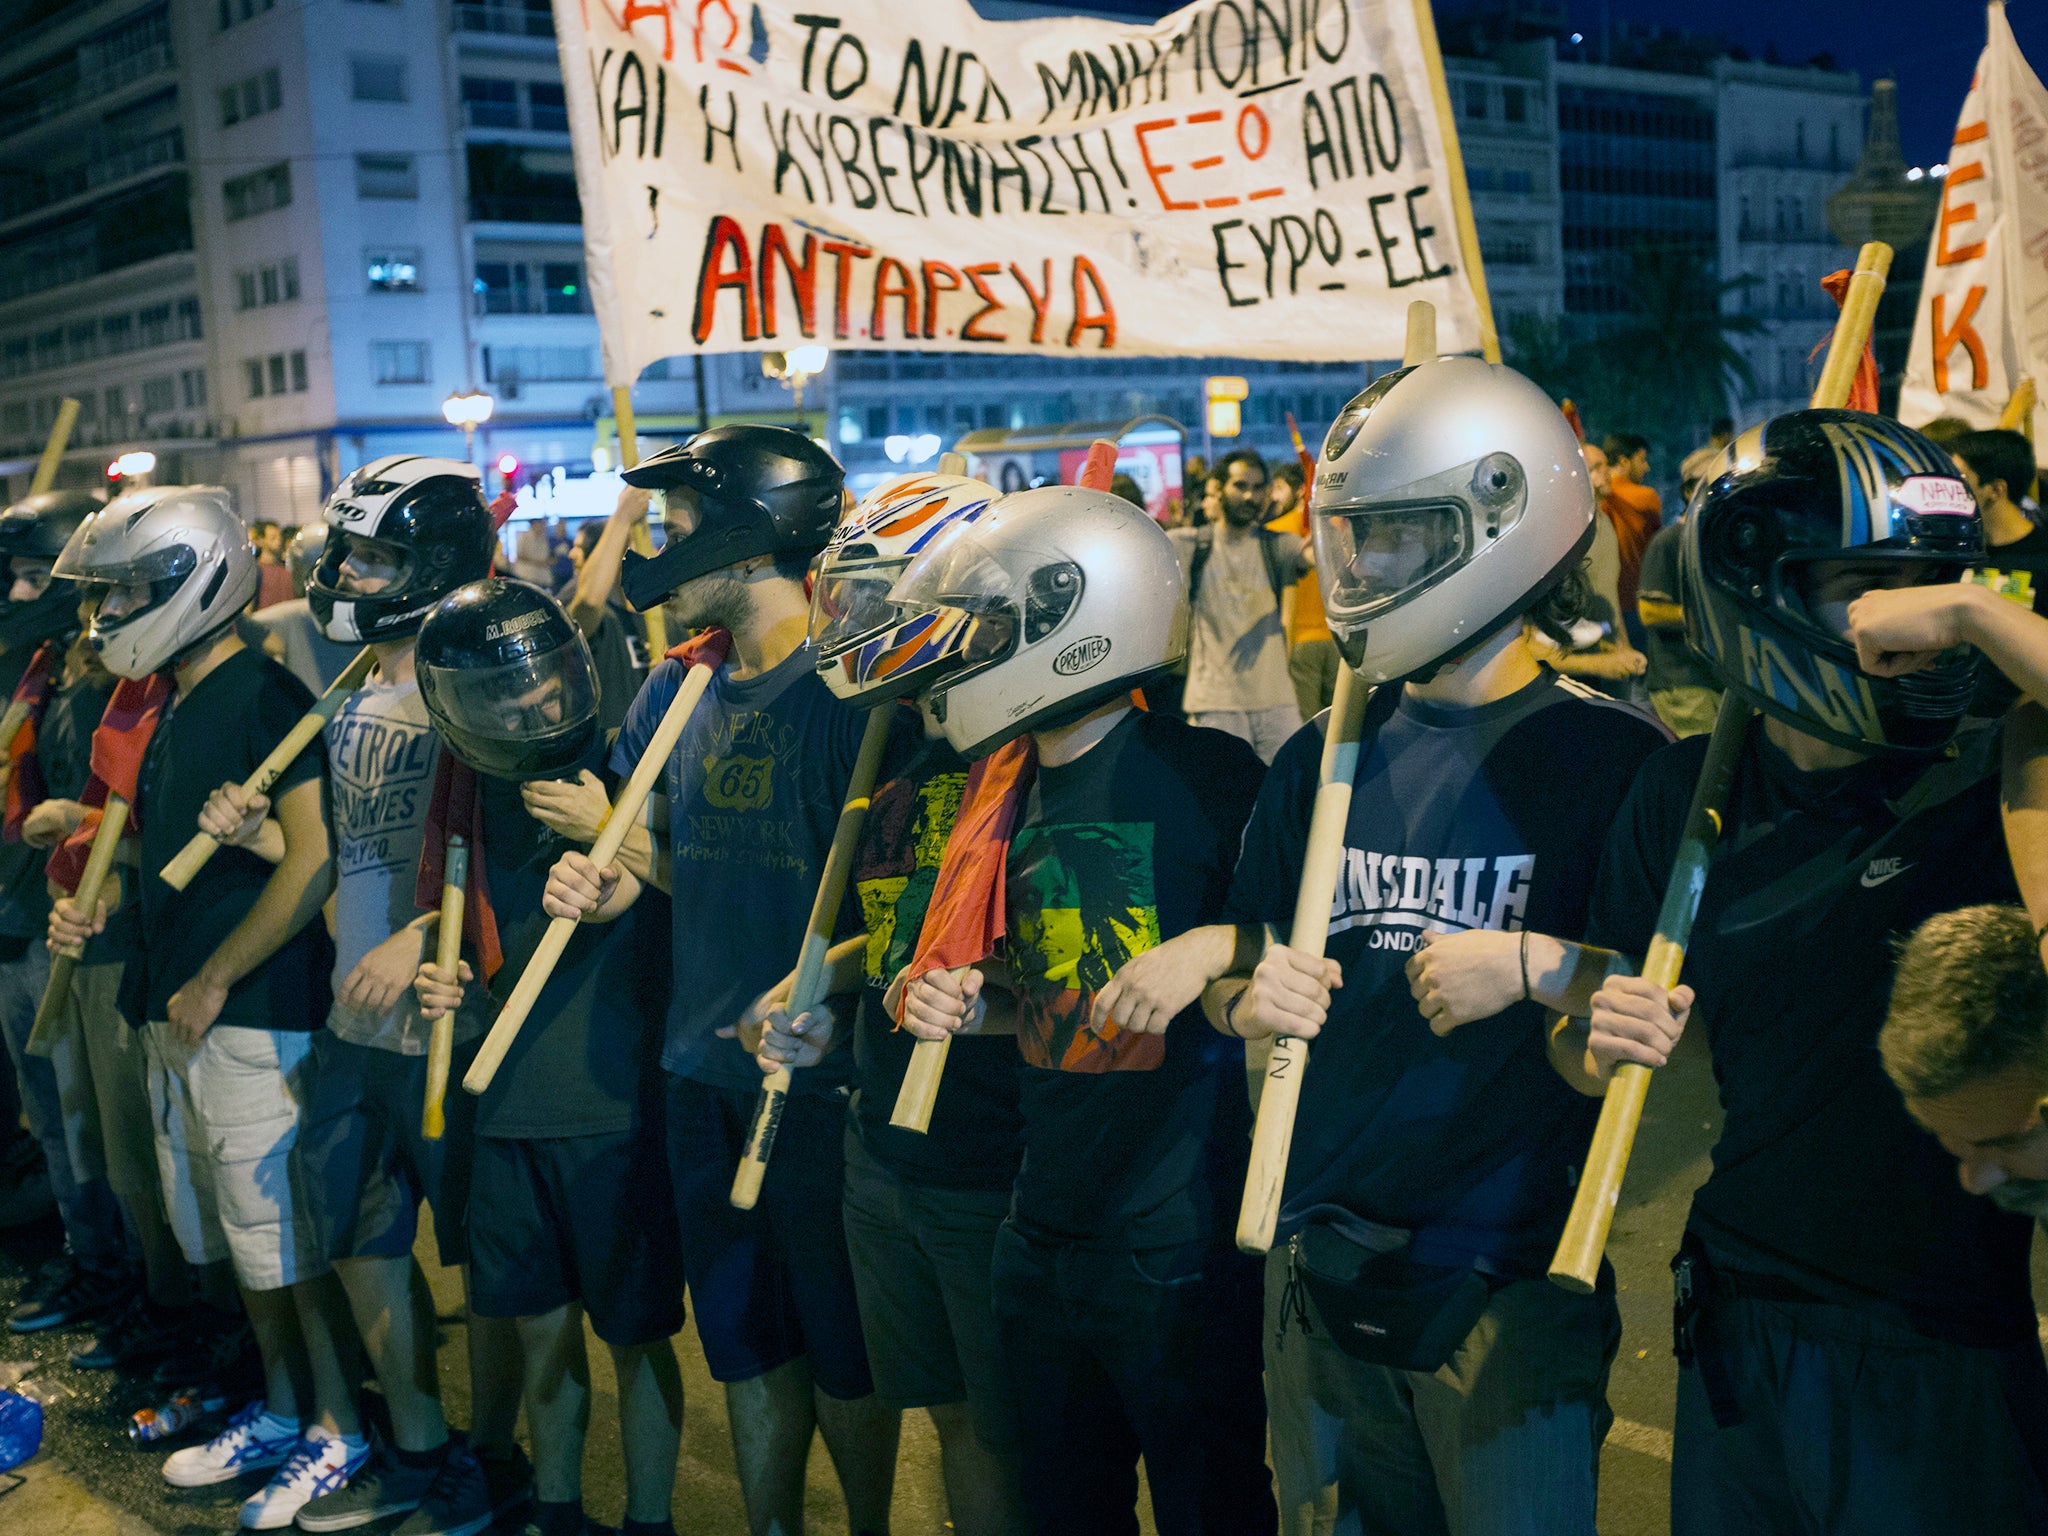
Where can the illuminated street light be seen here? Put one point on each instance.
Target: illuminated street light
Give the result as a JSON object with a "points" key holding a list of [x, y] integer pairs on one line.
{"points": [[795, 367], [468, 411], [132, 466]]}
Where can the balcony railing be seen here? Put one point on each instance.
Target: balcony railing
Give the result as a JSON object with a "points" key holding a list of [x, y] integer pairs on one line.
{"points": [[109, 165], [28, 105], [504, 18], [509, 208]]}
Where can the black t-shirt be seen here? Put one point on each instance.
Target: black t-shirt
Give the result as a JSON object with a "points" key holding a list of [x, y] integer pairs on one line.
{"points": [[2017, 572], [588, 1056], [618, 650], [1129, 1140], [1819, 1174], [974, 1140], [64, 753], [219, 732], [1483, 817], [24, 898], [1673, 663]]}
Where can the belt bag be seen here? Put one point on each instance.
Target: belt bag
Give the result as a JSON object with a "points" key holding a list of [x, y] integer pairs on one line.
{"points": [[1379, 1305]]}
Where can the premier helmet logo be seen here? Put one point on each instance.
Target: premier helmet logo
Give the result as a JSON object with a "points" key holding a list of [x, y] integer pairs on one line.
{"points": [[1081, 655]]}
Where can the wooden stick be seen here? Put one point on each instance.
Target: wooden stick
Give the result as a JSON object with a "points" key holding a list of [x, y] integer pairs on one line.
{"points": [[808, 990], [618, 822], [1576, 1264], [1461, 192], [641, 540], [42, 1038], [1322, 862], [53, 448], [920, 1090], [448, 958], [192, 857]]}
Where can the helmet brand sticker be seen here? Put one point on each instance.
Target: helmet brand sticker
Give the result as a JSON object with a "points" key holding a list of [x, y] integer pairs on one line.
{"points": [[1934, 493], [1081, 655], [516, 624]]}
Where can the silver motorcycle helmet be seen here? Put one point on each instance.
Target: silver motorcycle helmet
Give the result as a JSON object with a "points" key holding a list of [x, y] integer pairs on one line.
{"points": [[1053, 600], [183, 543], [1450, 498]]}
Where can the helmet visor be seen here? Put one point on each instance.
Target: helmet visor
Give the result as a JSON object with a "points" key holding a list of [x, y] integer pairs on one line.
{"points": [[1015, 594], [536, 696], [172, 563], [850, 602], [1375, 554]]}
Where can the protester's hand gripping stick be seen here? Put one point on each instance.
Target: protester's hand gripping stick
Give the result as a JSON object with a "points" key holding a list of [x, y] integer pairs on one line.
{"points": [[448, 958], [192, 857], [1576, 1265], [808, 989], [619, 821], [1323, 860], [106, 838]]}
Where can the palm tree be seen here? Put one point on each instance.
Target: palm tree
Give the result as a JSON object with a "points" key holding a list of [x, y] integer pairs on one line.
{"points": [[1678, 359]]}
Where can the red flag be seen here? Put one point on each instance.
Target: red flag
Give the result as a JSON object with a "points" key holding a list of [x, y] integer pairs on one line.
{"points": [[967, 915], [1862, 393], [1571, 414], [456, 807], [1308, 462], [25, 787], [118, 743]]}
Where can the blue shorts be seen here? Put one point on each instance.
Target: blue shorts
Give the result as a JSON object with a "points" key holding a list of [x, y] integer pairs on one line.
{"points": [[773, 1284]]}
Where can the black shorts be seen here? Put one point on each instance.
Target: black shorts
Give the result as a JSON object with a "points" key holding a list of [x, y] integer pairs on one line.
{"points": [[921, 1266], [366, 1165], [577, 1218], [773, 1284]]}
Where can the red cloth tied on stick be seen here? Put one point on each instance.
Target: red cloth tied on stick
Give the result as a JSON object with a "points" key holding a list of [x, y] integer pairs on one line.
{"points": [[118, 743], [25, 787], [456, 807], [968, 916], [1862, 393], [1571, 414], [710, 646]]}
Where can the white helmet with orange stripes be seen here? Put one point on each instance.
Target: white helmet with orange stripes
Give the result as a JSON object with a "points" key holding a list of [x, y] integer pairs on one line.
{"points": [[868, 647]]}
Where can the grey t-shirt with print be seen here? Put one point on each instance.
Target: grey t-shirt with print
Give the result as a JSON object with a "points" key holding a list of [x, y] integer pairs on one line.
{"points": [[381, 752], [1237, 655]]}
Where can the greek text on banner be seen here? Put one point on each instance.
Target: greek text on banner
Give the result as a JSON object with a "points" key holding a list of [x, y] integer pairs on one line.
{"points": [[1251, 178]]}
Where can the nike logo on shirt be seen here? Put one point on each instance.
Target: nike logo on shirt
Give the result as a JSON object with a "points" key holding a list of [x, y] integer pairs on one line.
{"points": [[1882, 870]]}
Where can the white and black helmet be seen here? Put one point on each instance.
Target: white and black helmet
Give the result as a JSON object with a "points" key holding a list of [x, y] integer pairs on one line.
{"points": [[431, 512], [1065, 597], [185, 543], [1449, 499]]}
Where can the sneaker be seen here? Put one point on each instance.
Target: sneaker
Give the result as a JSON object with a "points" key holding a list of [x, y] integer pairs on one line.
{"points": [[215, 1347], [71, 1294], [139, 1335], [318, 1465], [252, 1442], [458, 1501], [510, 1480], [384, 1486]]}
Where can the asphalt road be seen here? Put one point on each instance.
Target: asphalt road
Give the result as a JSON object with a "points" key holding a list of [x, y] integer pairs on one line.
{"points": [[90, 1481]]}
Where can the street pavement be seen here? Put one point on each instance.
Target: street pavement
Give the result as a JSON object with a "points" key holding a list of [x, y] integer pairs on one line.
{"points": [[92, 1482]]}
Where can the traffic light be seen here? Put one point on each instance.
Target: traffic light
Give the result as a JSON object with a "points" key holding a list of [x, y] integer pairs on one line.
{"points": [[508, 469], [1225, 391]]}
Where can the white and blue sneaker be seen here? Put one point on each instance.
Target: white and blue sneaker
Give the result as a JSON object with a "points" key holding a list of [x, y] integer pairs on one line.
{"points": [[320, 1463], [254, 1441]]}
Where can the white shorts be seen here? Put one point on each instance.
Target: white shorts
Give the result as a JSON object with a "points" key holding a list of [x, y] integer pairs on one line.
{"points": [[227, 1125]]}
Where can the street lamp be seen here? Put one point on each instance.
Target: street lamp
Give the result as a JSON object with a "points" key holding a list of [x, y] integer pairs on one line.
{"points": [[796, 366], [468, 411]]}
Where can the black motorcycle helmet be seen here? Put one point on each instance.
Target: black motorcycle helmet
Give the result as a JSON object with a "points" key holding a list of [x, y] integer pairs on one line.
{"points": [[37, 528], [1804, 507], [432, 513], [742, 491], [507, 681]]}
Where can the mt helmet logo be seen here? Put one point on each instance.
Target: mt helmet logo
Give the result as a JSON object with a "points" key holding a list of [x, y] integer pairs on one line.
{"points": [[1081, 655]]}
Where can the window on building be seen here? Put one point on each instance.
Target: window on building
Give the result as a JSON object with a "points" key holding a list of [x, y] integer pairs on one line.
{"points": [[878, 421], [50, 348], [1799, 141], [246, 289], [159, 395], [1475, 98], [562, 286], [1834, 146], [387, 176], [251, 97], [488, 103], [230, 12], [400, 362], [393, 269], [117, 334], [539, 364], [82, 341], [298, 373], [14, 358], [1517, 181], [258, 192], [277, 283], [1514, 103], [187, 325], [192, 389], [548, 108], [376, 78], [252, 367], [276, 372], [116, 405], [154, 324]]}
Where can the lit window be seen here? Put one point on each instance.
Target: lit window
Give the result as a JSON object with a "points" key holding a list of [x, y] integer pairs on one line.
{"points": [[393, 270]]}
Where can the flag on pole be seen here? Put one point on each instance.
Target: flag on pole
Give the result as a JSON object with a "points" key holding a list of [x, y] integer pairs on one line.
{"points": [[1983, 316], [118, 743]]}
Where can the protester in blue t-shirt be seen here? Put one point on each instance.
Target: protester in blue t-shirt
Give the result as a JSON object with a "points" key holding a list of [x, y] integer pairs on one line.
{"points": [[752, 793]]}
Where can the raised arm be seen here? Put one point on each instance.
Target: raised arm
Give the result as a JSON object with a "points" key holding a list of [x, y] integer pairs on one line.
{"points": [[600, 572]]}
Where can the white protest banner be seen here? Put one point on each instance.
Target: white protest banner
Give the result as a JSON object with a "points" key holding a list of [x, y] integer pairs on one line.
{"points": [[1983, 317], [1252, 178]]}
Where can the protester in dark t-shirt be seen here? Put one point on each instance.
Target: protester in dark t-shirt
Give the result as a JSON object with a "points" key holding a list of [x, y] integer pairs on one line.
{"points": [[569, 1206]]}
